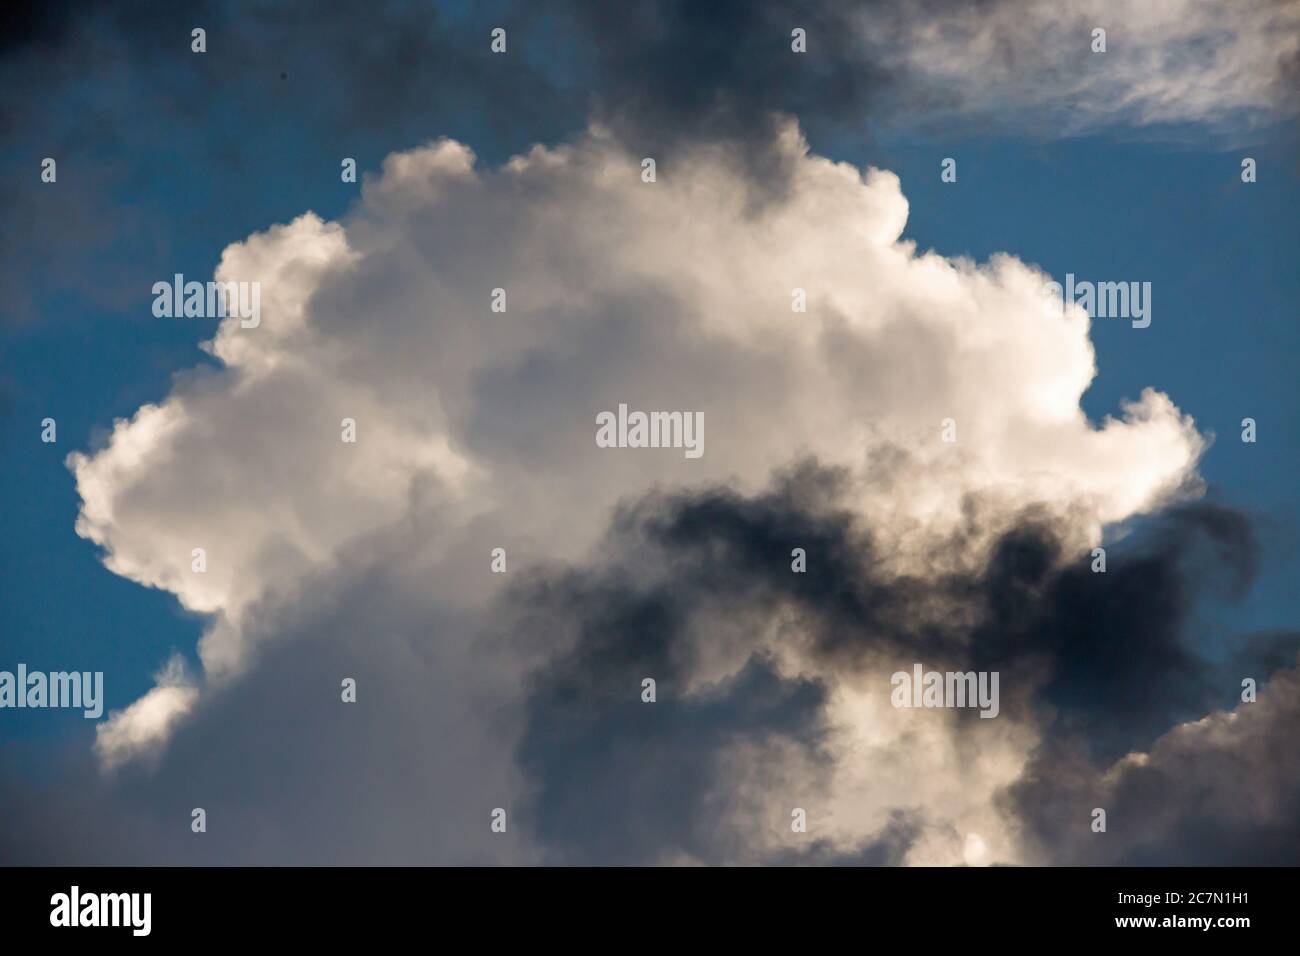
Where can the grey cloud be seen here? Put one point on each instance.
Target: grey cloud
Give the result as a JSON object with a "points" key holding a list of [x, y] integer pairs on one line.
{"points": [[690, 578], [1222, 791]]}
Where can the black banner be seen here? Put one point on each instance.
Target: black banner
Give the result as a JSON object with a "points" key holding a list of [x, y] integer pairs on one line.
{"points": [[611, 906]]}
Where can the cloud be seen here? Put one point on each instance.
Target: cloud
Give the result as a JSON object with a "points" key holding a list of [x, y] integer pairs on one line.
{"points": [[771, 696], [772, 686], [824, 431], [476, 430], [666, 295], [665, 74], [1220, 790], [142, 727], [408, 775], [1023, 64]]}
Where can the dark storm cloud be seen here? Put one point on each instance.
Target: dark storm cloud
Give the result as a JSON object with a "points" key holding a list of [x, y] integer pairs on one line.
{"points": [[626, 783], [115, 95], [32, 24], [1119, 643], [356, 66], [692, 576], [1224, 792], [667, 71]]}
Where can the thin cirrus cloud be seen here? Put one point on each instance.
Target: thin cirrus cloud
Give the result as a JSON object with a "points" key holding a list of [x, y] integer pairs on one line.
{"points": [[1165, 63]]}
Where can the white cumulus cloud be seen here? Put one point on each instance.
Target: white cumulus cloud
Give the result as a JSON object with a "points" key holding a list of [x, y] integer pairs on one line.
{"points": [[476, 429]]}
